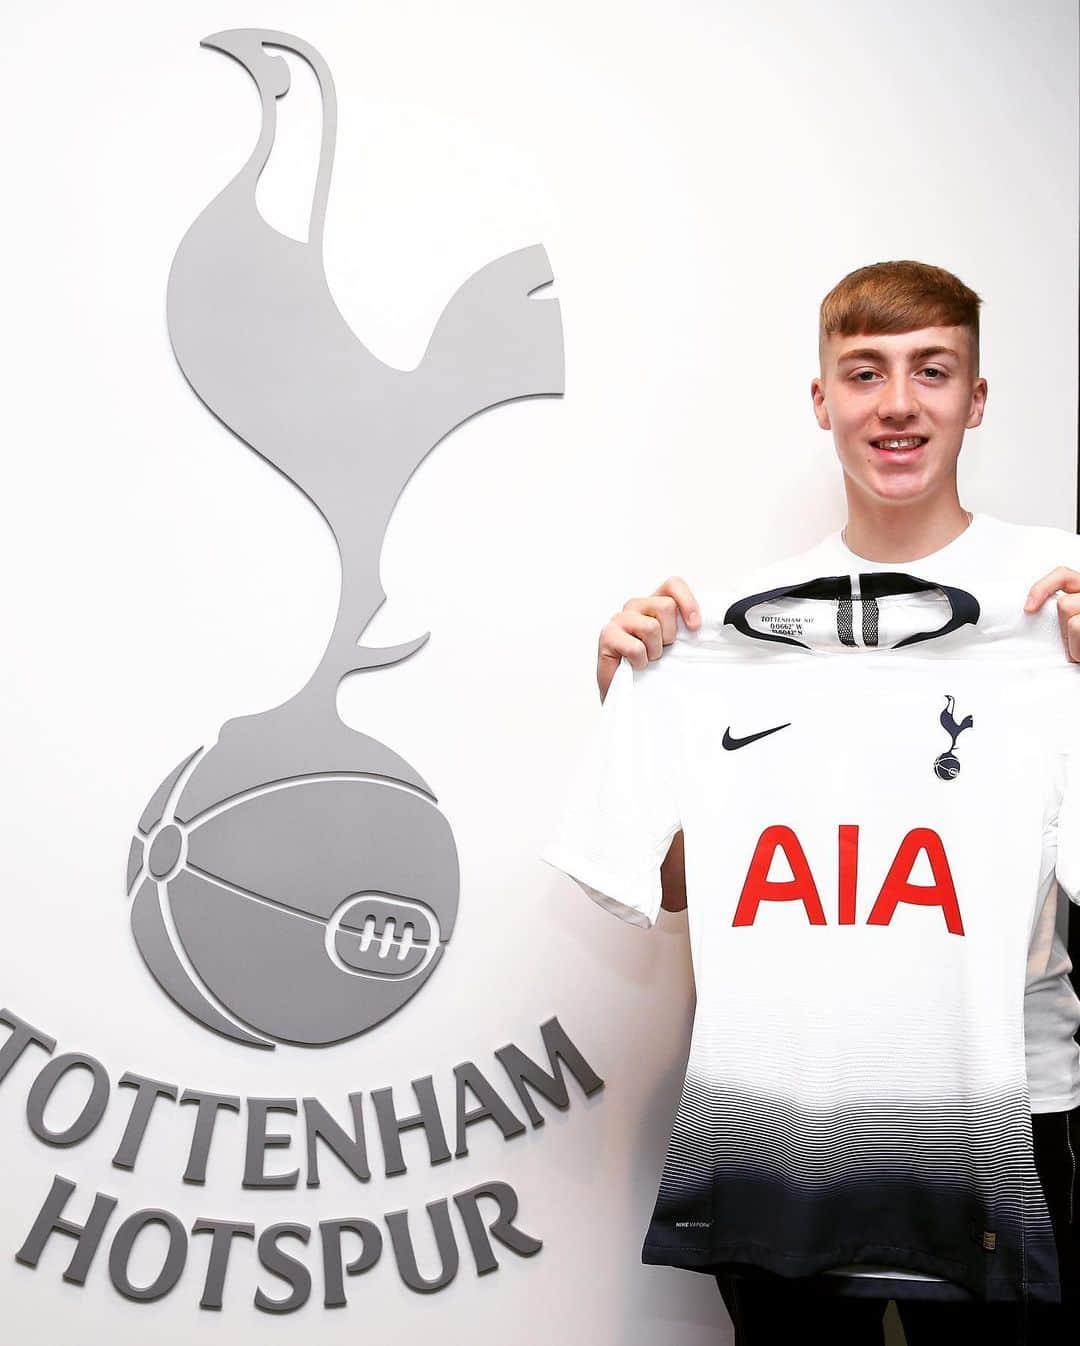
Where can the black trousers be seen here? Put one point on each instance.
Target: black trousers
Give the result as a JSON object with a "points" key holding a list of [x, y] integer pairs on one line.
{"points": [[777, 1310]]}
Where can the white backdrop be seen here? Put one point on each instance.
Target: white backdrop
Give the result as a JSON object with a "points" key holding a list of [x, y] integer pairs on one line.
{"points": [[701, 174]]}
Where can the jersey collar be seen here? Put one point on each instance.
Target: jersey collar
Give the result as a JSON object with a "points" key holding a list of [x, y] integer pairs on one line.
{"points": [[837, 589]]}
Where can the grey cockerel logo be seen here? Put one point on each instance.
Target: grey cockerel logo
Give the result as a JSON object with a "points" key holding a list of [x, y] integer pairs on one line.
{"points": [[297, 881]]}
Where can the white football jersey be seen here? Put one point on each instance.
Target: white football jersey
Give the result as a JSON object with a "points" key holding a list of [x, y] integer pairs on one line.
{"points": [[870, 767]]}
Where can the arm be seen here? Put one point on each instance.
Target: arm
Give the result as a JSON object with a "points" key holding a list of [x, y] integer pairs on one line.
{"points": [[673, 876]]}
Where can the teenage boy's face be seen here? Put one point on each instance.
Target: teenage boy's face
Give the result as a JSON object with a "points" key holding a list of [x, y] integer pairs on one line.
{"points": [[876, 388]]}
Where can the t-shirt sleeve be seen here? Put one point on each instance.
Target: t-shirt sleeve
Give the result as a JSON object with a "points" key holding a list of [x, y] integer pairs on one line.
{"points": [[1068, 826], [620, 813], [1066, 551]]}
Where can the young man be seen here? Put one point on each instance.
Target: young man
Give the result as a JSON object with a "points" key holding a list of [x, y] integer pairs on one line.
{"points": [[898, 386]]}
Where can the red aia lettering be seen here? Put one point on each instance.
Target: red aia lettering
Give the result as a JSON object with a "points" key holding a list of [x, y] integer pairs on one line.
{"points": [[897, 889], [758, 887]]}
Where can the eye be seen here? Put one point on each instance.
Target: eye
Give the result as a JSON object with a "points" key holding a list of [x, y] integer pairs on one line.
{"points": [[859, 376], [933, 369]]}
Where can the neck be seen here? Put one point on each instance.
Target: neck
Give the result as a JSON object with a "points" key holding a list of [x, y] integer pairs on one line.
{"points": [[250, 172], [903, 532]]}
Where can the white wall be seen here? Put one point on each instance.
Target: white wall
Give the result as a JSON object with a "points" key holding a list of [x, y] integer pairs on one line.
{"points": [[700, 174]]}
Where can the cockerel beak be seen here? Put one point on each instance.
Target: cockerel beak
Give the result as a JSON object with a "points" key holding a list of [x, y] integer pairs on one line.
{"points": [[248, 47], [224, 41]]}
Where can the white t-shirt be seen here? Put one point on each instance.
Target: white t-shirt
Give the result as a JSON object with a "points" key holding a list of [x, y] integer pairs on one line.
{"points": [[869, 763]]}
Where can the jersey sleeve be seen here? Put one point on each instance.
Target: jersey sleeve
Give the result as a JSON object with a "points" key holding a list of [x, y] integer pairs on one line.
{"points": [[620, 813]]}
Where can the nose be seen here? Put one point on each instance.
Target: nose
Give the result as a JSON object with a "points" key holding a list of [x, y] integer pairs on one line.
{"points": [[897, 401]]}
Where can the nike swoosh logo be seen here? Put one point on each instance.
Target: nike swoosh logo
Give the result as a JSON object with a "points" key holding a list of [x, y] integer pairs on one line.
{"points": [[730, 742]]}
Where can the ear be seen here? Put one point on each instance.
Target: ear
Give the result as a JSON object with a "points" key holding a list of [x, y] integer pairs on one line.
{"points": [[817, 395]]}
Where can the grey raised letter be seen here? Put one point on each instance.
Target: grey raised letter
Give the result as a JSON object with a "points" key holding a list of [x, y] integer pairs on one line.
{"points": [[398, 1223], [502, 1228], [370, 1249], [175, 1256], [294, 1273], [223, 1232], [146, 1092], [49, 1221], [92, 1110], [22, 1034], [521, 1067], [259, 1140], [351, 1150]]}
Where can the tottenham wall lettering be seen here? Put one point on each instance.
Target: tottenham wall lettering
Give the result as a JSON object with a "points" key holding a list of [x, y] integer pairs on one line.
{"points": [[296, 882]]}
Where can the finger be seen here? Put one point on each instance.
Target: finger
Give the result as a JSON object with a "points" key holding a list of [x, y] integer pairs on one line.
{"points": [[645, 631], [676, 587], [616, 645], [1072, 638], [660, 606], [1069, 623], [1061, 577], [1068, 608]]}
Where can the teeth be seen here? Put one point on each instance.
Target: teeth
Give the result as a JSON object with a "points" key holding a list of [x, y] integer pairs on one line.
{"points": [[898, 443]]}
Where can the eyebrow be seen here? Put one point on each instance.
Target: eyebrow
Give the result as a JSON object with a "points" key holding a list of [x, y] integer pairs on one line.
{"points": [[869, 353]]}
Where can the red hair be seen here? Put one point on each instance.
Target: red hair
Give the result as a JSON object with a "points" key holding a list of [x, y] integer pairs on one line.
{"points": [[899, 297]]}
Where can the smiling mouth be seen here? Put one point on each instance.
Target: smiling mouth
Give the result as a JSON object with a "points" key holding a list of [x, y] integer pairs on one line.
{"points": [[899, 445]]}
